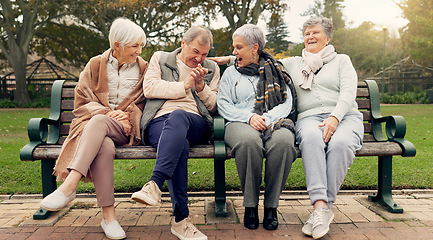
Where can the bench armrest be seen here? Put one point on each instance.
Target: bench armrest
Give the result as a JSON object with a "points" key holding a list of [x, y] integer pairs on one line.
{"points": [[43, 131], [395, 126]]}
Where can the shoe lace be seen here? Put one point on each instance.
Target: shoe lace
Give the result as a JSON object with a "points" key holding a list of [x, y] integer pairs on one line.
{"points": [[147, 188], [317, 218], [189, 227]]}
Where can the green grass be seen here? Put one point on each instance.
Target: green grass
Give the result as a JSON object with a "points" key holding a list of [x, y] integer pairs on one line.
{"points": [[24, 177]]}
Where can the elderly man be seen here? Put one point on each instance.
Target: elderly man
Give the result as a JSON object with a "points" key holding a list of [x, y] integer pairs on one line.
{"points": [[181, 89]]}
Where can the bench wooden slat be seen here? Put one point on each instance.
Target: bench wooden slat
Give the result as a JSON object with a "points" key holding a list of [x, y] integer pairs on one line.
{"points": [[362, 92], [363, 103], [46, 152], [67, 105], [369, 138], [366, 115], [66, 117], [368, 128], [68, 92], [64, 130]]}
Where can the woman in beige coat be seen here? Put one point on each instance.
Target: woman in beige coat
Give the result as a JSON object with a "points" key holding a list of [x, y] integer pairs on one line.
{"points": [[108, 105]]}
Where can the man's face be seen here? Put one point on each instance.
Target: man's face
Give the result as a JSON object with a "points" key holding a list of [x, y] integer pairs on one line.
{"points": [[194, 53]]}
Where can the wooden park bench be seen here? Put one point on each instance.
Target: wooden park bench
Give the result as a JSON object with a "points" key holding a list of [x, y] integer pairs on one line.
{"points": [[47, 135]]}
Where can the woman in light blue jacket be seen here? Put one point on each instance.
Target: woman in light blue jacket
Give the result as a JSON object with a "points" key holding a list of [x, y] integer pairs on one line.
{"points": [[255, 97]]}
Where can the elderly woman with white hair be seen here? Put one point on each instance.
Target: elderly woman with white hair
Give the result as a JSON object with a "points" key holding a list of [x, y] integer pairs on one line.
{"points": [[330, 128], [257, 99], [108, 106]]}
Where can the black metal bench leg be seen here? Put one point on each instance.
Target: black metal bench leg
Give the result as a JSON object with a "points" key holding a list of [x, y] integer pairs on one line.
{"points": [[48, 186], [384, 192]]}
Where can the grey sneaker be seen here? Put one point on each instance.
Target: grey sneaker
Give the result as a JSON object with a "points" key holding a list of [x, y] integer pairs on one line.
{"points": [[307, 229], [185, 230], [323, 217], [149, 194]]}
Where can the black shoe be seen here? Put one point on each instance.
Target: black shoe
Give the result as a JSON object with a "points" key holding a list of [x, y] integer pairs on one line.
{"points": [[251, 217], [270, 221]]}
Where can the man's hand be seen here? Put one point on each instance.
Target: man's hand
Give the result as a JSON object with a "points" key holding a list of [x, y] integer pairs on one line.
{"points": [[196, 78], [258, 122], [330, 125]]}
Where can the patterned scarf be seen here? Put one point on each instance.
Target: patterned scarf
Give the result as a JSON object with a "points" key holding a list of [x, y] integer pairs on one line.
{"points": [[271, 88]]}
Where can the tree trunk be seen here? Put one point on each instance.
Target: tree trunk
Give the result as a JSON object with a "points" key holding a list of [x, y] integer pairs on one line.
{"points": [[19, 67]]}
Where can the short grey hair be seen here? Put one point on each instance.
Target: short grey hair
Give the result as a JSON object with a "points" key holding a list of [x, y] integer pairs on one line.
{"points": [[323, 21], [125, 32], [252, 35], [204, 35]]}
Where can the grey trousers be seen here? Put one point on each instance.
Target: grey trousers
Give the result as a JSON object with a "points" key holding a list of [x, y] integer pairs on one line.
{"points": [[326, 164], [96, 150], [249, 151]]}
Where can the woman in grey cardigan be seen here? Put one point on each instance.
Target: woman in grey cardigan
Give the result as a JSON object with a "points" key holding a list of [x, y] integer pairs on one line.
{"points": [[255, 98], [330, 128]]}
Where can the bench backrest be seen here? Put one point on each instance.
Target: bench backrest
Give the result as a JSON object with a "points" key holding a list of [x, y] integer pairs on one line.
{"points": [[67, 105]]}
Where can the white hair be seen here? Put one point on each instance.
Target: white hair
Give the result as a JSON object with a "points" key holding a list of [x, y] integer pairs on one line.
{"points": [[125, 32], [252, 35]]}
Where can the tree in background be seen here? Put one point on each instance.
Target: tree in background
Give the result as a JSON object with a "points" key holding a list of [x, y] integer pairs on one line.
{"points": [[331, 9], [240, 12], [277, 34], [69, 44], [163, 22], [417, 35], [159, 19], [364, 45], [237, 13], [20, 20]]}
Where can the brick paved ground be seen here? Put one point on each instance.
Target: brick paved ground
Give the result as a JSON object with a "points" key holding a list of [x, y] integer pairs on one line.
{"points": [[355, 218]]}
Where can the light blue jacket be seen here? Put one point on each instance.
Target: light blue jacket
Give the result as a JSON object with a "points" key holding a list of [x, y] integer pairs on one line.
{"points": [[236, 98]]}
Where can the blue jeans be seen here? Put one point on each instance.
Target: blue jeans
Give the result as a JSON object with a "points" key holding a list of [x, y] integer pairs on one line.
{"points": [[172, 134]]}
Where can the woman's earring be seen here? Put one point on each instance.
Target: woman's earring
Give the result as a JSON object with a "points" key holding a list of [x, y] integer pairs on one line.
{"points": [[254, 57]]}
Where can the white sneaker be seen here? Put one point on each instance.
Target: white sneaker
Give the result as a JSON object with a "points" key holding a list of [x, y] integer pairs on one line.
{"points": [[113, 230], [56, 200], [185, 230], [149, 194], [322, 218]]}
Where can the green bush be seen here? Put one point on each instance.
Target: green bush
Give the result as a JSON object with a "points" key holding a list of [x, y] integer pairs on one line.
{"points": [[37, 103], [416, 97], [8, 104]]}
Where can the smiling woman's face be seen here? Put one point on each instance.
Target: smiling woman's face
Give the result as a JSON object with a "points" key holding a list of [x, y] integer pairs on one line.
{"points": [[243, 52], [315, 39]]}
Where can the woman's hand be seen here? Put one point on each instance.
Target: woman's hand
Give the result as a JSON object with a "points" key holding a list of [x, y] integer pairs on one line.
{"points": [[119, 115], [220, 60], [258, 122], [330, 125]]}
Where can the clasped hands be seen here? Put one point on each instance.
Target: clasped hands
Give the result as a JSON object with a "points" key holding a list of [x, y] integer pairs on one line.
{"points": [[122, 117], [196, 77]]}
